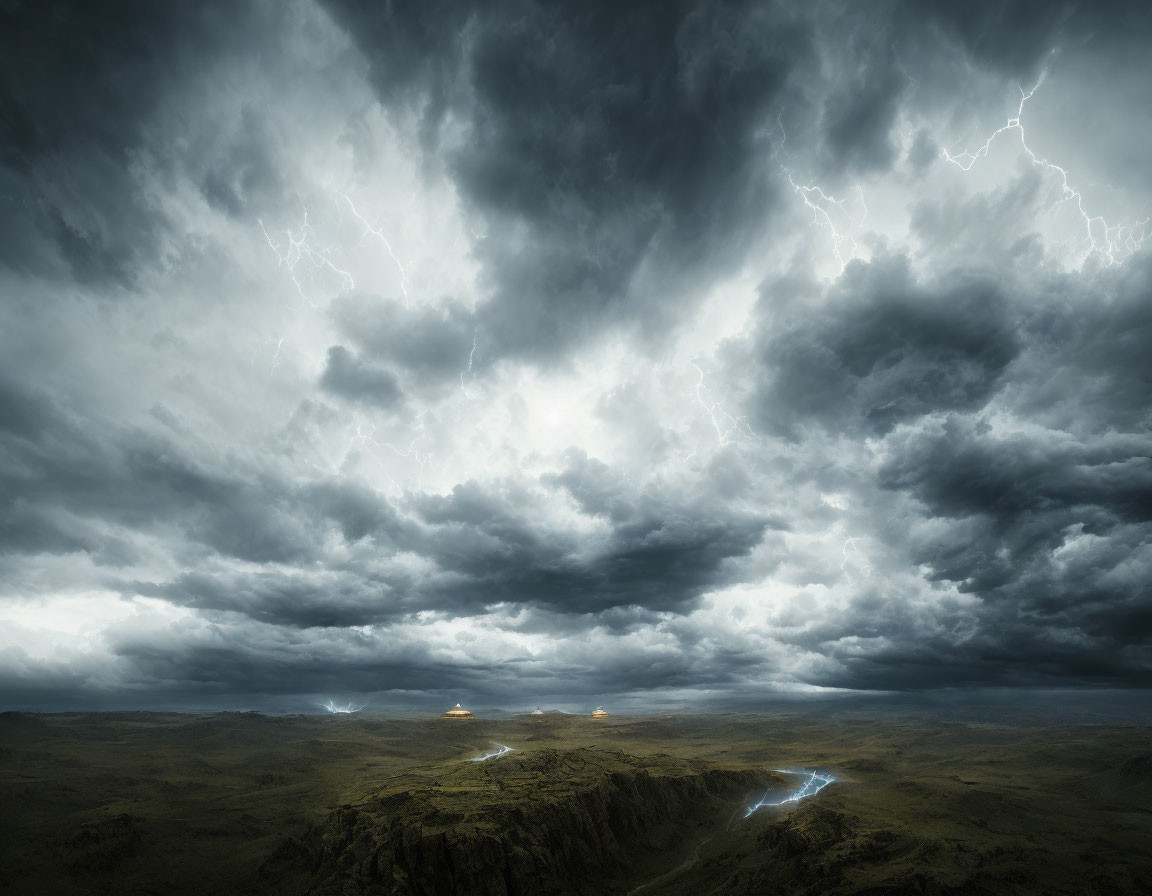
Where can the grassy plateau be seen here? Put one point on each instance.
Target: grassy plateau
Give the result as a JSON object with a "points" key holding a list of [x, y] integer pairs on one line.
{"points": [[243, 803]]}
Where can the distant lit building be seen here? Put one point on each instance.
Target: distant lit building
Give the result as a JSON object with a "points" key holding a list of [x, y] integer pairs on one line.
{"points": [[599, 713], [537, 712], [458, 713]]}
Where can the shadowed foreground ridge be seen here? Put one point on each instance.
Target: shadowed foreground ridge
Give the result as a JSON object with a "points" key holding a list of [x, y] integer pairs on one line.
{"points": [[134, 803], [552, 821]]}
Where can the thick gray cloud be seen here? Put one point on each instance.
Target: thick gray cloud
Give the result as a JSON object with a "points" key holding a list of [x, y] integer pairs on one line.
{"points": [[431, 344], [657, 553], [612, 154], [1013, 421], [882, 349], [571, 352], [80, 87], [352, 378]]}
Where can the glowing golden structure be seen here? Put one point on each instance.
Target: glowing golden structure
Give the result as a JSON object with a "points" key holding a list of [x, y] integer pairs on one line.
{"points": [[459, 712], [599, 713]]}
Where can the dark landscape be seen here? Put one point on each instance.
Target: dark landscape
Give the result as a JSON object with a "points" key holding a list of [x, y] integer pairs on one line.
{"points": [[138, 803]]}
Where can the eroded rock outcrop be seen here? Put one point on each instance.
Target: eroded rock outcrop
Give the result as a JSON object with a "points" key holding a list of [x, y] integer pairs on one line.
{"points": [[547, 822]]}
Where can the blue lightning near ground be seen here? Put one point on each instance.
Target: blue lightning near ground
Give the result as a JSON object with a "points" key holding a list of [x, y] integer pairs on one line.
{"points": [[1114, 243], [500, 751], [337, 709], [814, 782]]}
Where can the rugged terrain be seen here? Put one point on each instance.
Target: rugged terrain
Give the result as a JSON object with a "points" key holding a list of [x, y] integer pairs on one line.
{"points": [[243, 803]]}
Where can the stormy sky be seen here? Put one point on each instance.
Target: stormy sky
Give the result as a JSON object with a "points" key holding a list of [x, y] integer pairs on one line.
{"points": [[654, 354]]}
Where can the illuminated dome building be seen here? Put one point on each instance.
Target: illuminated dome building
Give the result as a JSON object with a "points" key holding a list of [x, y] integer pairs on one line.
{"points": [[459, 712], [537, 712], [599, 713]]}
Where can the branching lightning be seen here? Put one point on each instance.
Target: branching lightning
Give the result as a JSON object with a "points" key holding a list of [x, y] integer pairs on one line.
{"points": [[813, 784], [365, 435], [297, 248], [825, 211], [293, 247], [851, 552], [728, 428], [346, 709], [1114, 243], [376, 232], [500, 751]]}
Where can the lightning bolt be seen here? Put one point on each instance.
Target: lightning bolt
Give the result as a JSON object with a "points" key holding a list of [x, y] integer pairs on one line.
{"points": [[346, 709], [728, 428], [825, 210], [376, 232], [276, 356], [412, 451], [262, 346], [1113, 243], [297, 248], [291, 248], [468, 372], [851, 550], [294, 248], [813, 784]]}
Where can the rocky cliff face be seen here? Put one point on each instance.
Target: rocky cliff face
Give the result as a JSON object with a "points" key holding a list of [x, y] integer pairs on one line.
{"points": [[550, 823]]}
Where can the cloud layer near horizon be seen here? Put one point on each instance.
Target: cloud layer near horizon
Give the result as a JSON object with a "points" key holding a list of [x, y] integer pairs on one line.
{"points": [[694, 352]]}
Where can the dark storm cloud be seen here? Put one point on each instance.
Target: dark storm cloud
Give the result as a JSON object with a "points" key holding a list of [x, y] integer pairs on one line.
{"points": [[1080, 466], [1011, 649], [298, 599], [486, 547], [1088, 369], [658, 554], [350, 377], [959, 468], [358, 511], [882, 348], [237, 170], [619, 156], [1016, 36], [980, 417], [264, 660], [858, 119], [425, 341], [1050, 532], [80, 86], [66, 479], [597, 138], [923, 151], [1010, 35], [1014, 411]]}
